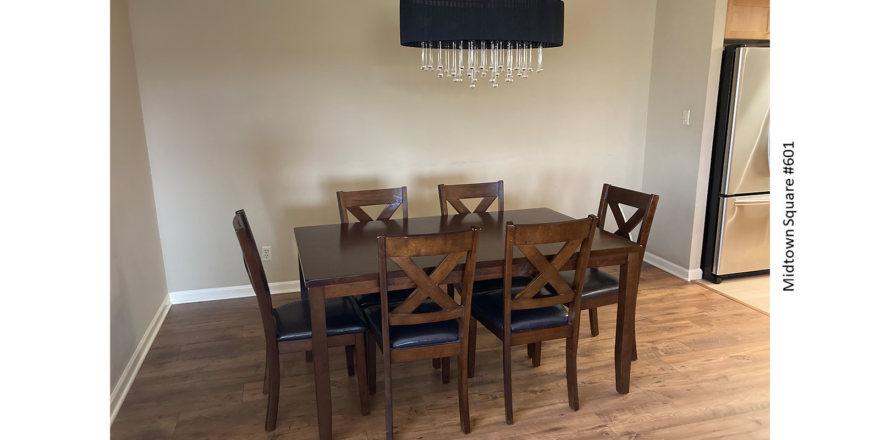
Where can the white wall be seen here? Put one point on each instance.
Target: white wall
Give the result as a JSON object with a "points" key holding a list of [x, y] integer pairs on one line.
{"points": [[137, 272], [686, 62], [273, 106]]}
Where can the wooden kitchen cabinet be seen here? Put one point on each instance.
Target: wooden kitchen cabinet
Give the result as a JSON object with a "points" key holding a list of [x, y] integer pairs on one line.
{"points": [[748, 20]]}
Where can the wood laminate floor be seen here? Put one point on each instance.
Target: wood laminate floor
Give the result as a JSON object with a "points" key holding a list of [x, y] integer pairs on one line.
{"points": [[753, 291], [703, 372]]}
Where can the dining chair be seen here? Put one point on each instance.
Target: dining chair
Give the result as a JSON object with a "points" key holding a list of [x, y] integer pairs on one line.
{"points": [[429, 323], [600, 287], [488, 192], [352, 202], [520, 315], [454, 194], [393, 198], [287, 328]]}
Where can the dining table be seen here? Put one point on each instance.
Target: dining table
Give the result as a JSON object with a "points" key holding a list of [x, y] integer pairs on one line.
{"points": [[342, 260]]}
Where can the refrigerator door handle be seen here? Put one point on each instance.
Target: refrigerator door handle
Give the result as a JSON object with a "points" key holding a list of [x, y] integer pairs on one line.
{"points": [[750, 201]]}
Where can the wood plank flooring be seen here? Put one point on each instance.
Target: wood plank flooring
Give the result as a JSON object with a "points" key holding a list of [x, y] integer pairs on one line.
{"points": [[753, 291], [703, 372]]}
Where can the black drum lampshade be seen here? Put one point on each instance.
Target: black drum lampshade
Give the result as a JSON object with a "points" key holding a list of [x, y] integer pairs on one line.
{"points": [[498, 35]]}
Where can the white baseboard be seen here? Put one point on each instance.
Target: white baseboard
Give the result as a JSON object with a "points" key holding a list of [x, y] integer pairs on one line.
{"points": [[117, 396], [672, 268], [189, 296]]}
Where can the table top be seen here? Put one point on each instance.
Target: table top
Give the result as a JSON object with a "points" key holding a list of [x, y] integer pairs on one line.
{"points": [[348, 252]]}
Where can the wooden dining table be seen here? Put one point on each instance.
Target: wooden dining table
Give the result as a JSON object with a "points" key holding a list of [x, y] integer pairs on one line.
{"points": [[342, 260]]}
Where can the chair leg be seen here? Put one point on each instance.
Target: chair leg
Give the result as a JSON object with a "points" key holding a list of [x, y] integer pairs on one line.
{"points": [[594, 321], [571, 371], [437, 362], [361, 361], [266, 375], [349, 359], [309, 356], [273, 365], [389, 417], [464, 412], [530, 350], [536, 356], [472, 347], [371, 362], [508, 385], [635, 356], [444, 363]]}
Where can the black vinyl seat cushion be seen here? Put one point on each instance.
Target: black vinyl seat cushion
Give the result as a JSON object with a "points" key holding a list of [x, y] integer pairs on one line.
{"points": [[497, 283], [489, 305], [416, 335], [293, 321], [597, 284], [374, 299]]}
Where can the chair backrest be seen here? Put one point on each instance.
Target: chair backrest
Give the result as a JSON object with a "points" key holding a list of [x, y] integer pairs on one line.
{"points": [[575, 235], [352, 201], [453, 194], [455, 246], [254, 267], [645, 204]]}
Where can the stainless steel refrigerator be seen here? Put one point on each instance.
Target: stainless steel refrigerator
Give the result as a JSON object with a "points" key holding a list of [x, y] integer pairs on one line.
{"points": [[736, 239]]}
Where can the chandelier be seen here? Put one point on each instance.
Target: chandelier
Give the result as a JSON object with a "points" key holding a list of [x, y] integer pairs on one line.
{"points": [[472, 39]]}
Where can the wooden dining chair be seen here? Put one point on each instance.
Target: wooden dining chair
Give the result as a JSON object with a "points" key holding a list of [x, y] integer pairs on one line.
{"points": [[489, 192], [429, 323], [520, 315], [393, 198], [600, 287], [353, 201], [454, 194], [287, 328]]}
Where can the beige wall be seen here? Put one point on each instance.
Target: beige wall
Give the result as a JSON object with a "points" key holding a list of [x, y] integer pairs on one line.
{"points": [[273, 106], [137, 273], [688, 37]]}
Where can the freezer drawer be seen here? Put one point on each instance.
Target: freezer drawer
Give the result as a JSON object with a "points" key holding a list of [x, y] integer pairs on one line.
{"points": [[743, 235]]}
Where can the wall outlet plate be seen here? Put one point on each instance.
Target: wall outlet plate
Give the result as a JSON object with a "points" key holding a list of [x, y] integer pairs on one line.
{"points": [[266, 253], [686, 117]]}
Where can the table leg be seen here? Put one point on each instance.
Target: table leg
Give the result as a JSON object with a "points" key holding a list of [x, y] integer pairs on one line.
{"points": [[304, 295], [321, 365], [626, 320], [303, 289]]}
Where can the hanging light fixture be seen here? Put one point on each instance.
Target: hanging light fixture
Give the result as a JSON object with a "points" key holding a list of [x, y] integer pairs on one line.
{"points": [[467, 39]]}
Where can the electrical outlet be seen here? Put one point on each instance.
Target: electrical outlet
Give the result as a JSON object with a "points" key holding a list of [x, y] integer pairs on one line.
{"points": [[686, 117], [266, 253]]}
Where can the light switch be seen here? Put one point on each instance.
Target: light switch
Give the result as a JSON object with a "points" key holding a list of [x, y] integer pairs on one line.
{"points": [[686, 117]]}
